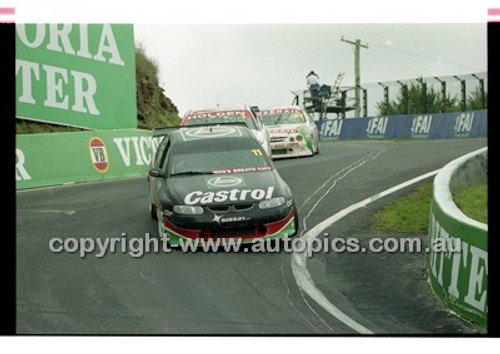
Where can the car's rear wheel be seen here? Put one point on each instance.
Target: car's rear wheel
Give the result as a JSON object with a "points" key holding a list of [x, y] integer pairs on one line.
{"points": [[317, 148]]}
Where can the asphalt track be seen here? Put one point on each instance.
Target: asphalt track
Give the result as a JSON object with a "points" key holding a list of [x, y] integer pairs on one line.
{"points": [[231, 293]]}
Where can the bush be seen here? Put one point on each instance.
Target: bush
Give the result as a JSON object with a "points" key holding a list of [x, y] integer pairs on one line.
{"points": [[154, 109]]}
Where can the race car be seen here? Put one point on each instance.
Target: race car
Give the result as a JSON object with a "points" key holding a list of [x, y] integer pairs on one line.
{"points": [[212, 182], [293, 132], [237, 114]]}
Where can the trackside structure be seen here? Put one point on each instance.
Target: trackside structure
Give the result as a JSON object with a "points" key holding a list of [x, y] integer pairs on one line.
{"points": [[460, 279]]}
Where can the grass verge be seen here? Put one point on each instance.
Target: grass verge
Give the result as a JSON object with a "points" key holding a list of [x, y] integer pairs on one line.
{"points": [[409, 214], [473, 201]]}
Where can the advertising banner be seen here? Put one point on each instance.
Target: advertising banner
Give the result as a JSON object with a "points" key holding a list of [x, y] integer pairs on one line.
{"points": [[59, 158], [422, 126], [76, 75], [460, 279]]}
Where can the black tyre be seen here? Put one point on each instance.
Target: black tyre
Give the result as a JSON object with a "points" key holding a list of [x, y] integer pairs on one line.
{"points": [[152, 211], [296, 220]]}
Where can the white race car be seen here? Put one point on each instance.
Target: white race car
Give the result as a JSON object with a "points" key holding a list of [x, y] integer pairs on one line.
{"points": [[293, 132], [238, 114]]}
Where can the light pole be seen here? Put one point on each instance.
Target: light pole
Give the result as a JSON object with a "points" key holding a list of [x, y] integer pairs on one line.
{"points": [[443, 93], [406, 103], [423, 107], [463, 90], [481, 87], [386, 97], [357, 70]]}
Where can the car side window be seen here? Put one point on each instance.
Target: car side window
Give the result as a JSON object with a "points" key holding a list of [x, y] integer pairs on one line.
{"points": [[255, 118], [259, 122], [158, 153], [162, 151], [163, 162]]}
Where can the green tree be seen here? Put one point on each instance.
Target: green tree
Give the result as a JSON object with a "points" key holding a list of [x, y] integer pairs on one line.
{"points": [[419, 100], [475, 100]]}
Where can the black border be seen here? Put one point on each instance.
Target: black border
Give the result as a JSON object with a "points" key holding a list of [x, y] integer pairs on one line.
{"points": [[8, 322], [7, 146], [493, 29]]}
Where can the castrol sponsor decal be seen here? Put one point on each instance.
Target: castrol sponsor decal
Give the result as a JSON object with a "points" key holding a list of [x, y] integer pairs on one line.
{"points": [[228, 195]]}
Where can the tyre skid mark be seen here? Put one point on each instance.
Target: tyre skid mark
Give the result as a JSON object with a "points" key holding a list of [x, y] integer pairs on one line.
{"points": [[337, 177], [290, 302]]}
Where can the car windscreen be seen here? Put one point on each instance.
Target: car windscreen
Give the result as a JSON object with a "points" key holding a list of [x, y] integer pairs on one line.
{"points": [[222, 117], [294, 117], [217, 156]]}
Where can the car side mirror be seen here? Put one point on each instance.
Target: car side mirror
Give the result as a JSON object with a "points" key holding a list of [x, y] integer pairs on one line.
{"points": [[156, 172]]}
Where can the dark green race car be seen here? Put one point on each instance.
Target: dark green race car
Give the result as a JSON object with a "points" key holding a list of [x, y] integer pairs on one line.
{"points": [[216, 182]]}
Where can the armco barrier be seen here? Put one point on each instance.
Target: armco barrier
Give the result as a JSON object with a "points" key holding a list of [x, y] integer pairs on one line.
{"points": [[424, 126], [460, 279], [59, 158]]}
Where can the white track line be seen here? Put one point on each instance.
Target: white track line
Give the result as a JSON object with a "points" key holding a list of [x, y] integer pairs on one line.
{"points": [[332, 177], [299, 260], [337, 177]]}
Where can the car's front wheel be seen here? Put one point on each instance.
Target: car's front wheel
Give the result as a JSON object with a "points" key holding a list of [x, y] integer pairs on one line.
{"points": [[161, 232], [152, 211], [160, 227], [296, 219]]}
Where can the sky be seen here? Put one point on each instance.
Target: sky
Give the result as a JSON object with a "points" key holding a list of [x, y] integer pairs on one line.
{"points": [[207, 56], [202, 65]]}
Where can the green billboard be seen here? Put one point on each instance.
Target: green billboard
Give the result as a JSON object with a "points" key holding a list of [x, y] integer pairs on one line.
{"points": [[76, 75], [60, 158]]}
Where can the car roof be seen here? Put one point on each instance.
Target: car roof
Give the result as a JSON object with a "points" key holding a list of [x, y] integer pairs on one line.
{"points": [[239, 107], [208, 132], [252, 109]]}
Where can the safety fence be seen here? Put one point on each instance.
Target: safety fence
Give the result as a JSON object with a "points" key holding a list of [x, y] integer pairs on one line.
{"points": [[423, 126]]}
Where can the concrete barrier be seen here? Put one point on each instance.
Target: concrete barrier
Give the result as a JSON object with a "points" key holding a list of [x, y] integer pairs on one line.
{"points": [[61, 158], [459, 277]]}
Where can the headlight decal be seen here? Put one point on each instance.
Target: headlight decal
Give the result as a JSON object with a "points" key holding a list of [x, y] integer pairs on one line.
{"points": [[272, 203], [188, 210]]}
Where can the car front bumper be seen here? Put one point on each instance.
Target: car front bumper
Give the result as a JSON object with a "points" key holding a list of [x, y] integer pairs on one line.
{"points": [[247, 231], [286, 148]]}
